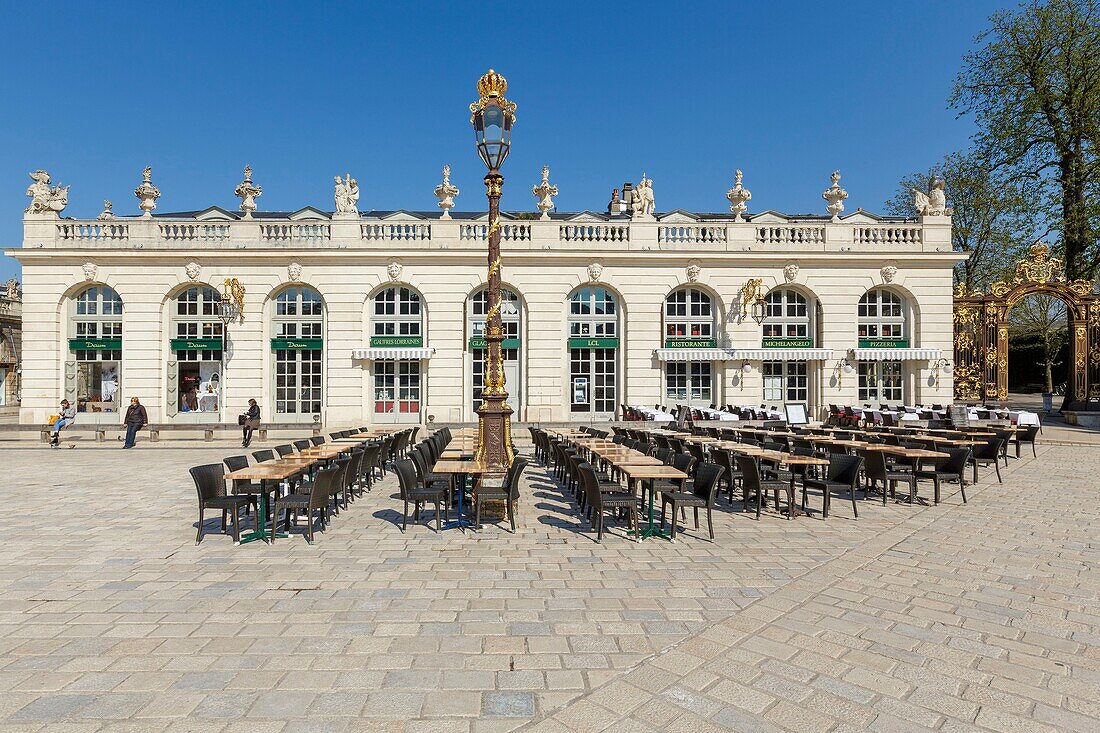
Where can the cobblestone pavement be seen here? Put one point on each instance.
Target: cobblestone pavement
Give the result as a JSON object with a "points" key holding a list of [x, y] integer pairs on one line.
{"points": [[952, 618]]}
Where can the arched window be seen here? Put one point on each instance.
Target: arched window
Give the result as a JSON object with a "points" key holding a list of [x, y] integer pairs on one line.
{"points": [[787, 317], [298, 341], [95, 344], [397, 322], [593, 350], [510, 315], [689, 315], [881, 315], [195, 374], [397, 314], [689, 323]]}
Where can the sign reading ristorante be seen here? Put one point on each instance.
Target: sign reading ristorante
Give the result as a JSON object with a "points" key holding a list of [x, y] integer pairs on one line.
{"points": [[593, 343], [196, 344], [302, 344], [383, 342], [95, 344], [690, 343], [884, 343]]}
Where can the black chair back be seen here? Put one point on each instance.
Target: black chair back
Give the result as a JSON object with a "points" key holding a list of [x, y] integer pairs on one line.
{"points": [[263, 455], [406, 476], [317, 439], [707, 476], [284, 450], [209, 481], [302, 445]]}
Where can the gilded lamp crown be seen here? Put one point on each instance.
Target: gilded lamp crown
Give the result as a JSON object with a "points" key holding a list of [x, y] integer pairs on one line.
{"points": [[492, 84]]}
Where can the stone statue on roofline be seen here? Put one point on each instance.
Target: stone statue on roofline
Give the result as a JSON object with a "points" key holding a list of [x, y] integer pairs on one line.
{"points": [[147, 193], [346, 195], [835, 195], [935, 203], [44, 198], [643, 203]]}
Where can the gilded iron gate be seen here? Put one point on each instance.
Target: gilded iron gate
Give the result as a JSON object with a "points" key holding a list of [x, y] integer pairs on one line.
{"points": [[981, 331]]}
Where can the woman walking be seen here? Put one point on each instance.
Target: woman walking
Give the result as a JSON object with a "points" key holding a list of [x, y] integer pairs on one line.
{"points": [[66, 417], [250, 421], [136, 419]]}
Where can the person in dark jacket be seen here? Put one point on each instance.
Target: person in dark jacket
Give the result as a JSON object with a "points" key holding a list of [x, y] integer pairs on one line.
{"points": [[136, 419], [251, 422]]}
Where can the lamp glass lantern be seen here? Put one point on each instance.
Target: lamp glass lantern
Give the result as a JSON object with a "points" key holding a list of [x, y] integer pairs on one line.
{"points": [[227, 310], [493, 133], [758, 310]]}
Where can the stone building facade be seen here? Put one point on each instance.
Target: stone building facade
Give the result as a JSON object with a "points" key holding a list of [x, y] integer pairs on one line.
{"points": [[354, 318], [11, 345]]}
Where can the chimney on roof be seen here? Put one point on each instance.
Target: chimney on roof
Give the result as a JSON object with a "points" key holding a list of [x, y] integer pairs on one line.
{"points": [[613, 206]]}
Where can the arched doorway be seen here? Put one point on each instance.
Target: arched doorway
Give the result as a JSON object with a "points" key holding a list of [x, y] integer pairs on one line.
{"points": [[982, 332]]}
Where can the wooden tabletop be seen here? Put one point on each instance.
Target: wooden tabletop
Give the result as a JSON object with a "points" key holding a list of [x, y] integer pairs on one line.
{"points": [[325, 451], [790, 460], [452, 466], [646, 472], [268, 471], [631, 458], [911, 452]]}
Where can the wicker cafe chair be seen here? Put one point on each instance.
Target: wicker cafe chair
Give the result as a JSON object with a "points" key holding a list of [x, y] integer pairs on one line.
{"points": [[301, 445], [411, 491], [317, 440], [986, 453], [260, 456], [210, 486], [752, 483], [876, 470], [243, 487], [843, 475], [953, 468], [316, 500], [508, 492], [702, 493], [601, 501], [284, 450]]}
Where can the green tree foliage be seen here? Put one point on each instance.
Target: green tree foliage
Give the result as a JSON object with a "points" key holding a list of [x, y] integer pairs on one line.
{"points": [[989, 221], [1033, 86], [1041, 317]]}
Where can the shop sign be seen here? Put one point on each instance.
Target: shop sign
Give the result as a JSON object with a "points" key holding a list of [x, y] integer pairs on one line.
{"points": [[95, 344], [299, 344], [384, 342], [196, 344], [884, 343], [787, 343], [478, 342], [682, 343], [594, 343]]}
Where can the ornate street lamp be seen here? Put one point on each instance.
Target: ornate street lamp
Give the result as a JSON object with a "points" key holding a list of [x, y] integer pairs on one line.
{"points": [[493, 117]]}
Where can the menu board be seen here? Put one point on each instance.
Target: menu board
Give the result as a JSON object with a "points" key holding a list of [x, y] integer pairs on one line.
{"points": [[960, 416], [796, 413]]}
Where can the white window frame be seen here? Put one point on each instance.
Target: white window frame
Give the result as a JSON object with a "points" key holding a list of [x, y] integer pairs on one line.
{"points": [[201, 320], [398, 310], [787, 309], [690, 382], [785, 381], [593, 313], [689, 313], [882, 314], [299, 313], [96, 313], [878, 393]]}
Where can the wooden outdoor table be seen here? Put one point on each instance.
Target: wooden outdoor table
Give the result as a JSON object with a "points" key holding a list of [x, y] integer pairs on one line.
{"points": [[325, 450], [265, 473], [641, 473]]}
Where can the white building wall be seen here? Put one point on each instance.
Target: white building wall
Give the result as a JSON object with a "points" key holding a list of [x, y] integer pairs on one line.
{"points": [[446, 270]]}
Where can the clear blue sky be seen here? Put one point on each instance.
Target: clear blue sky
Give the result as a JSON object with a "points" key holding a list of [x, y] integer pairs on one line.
{"points": [[787, 91]]}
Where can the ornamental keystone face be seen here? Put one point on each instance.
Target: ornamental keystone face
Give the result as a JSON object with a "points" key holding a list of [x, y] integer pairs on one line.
{"points": [[595, 271], [193, 270], [790, 272], [888, 272], [394, 271], [294, 272], [90, 271], [693, 271]]}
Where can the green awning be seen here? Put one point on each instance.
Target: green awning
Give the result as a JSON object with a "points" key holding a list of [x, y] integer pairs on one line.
{"points": [[884, 343]]}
